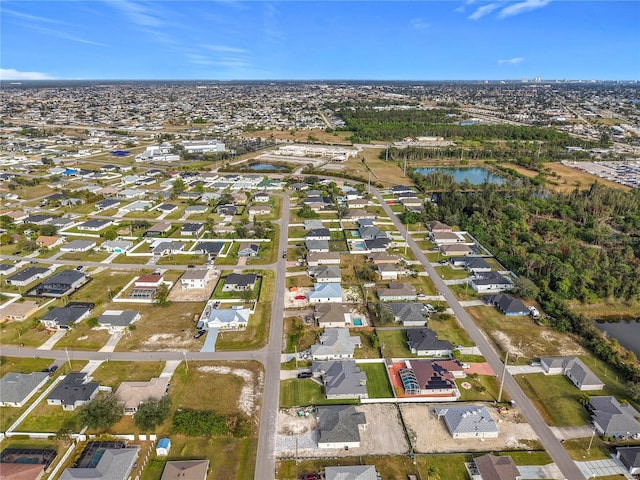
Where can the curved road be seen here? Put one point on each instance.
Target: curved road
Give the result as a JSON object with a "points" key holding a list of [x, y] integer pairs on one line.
{"points": [[559, 455]]}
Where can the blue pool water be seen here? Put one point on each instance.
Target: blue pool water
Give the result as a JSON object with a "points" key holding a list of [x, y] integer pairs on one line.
{"points": [[360, 245], [355, 233], [357, 322]]}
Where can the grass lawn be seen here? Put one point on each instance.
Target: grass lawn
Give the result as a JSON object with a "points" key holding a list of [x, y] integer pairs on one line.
{"points": [[450, 329], [97, 290], [484, 388], [556, 398], [232, 255], [218, 294], [422, 284], [464, 292], [257, 331], [435, 256], [299, 335], [114, 373], [378, 385], [300, 281], [47, 418], [163, 328], [394, 344], [189, 259], [296, 392], [90, 256], [445, 466], [267, 252], [16, 333], [528, 457], [297, 232], [367, 350], [577, 449], [448, 273], [82, 337], [607, 309], [229, 458], [131, 260], [22, 365], [615, 384]]}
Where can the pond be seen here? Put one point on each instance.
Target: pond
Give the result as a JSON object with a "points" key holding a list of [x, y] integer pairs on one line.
{"points": [[261, 167], [474, 175], [627, 332]]}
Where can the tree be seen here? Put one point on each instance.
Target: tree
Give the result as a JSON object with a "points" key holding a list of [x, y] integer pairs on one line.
{"points": [[634, 391], [179, 186], [160, 297], [101, 412], [48, 230], [526, 288], [152, 413], [5, 239], [110, 234]]}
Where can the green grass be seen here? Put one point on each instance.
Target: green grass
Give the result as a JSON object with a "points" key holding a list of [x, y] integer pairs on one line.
{"points": [[464, 292], [577, 449], [189, 259], [378, 385], [450, 329], [394, 344], [47, 418], [114, 373], [484, 388], [90, 256], [448, 273], [556, 397], [81, 337], [22, 365], [304, 392], [445, 466], [299, 335], [367, 350], [528, 457], [97, 290]]}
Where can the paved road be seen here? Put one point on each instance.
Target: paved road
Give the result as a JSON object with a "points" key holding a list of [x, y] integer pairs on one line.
{"points": [[559, 455], [266, 461]]}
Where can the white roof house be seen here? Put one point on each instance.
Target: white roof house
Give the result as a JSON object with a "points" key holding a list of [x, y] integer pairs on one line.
{"points": [[230, 318], [325, 292]]}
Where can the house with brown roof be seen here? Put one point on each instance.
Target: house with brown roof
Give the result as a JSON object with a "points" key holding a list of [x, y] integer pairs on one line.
{"points": [[49, 241], [492, 467], [131, 394], [18, 311], [186, 470]]}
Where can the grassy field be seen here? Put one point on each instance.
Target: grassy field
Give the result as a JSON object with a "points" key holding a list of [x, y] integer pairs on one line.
{"points": [[48, 418], [267, 252], [484, 388], [450, 329], [577, 449], [448, 273], [90, 256], [464, 292], [296, 392], [189, 259], [607, 309], [82, 337], [556, 398], [299, 335], [570, 178], [378, 385], [367, 350], [394, 344], [218, 294], [114, 373]]}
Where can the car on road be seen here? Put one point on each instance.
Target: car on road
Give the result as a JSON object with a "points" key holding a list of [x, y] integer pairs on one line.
{"points": [[284, 255], [199, 333], [79, 267], [33, 261], [191, 266], [300, 297], [305, 375], [50, 369]]}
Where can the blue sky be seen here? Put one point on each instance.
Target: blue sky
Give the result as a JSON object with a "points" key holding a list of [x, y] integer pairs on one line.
{"points": [[380, 40]]}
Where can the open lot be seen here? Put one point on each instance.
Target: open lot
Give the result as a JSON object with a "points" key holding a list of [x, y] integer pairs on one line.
{"points": [[431, 435], [114, 373]]}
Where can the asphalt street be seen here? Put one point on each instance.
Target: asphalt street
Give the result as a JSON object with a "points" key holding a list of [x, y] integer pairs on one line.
{"points": [[559, 455]]}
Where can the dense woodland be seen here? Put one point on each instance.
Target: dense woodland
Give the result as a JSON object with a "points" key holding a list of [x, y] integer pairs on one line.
{"points": [[584, 246]]}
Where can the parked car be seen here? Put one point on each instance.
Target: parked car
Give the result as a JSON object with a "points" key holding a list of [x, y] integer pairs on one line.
{"points": [[284, 255], [300, 297], [191, 266], [199, 333], [310, 476], [79, 267], [50, 369], [305, 375]]}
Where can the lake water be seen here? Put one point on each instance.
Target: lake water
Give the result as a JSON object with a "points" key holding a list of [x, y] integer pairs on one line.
{"points": [[626, 332], [261, 167], [474, 175]]}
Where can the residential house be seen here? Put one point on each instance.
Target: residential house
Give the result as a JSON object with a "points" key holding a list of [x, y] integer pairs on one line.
{"points": [[325, 292], [630, 458], [357, 203], [250, 250], [339, 426], [325, 273], [18, 311], [491, 282], [49, 241], [166, 207], [397, 292], [185, 470], [195, 278], [476, 265], [469, 422], [64, 318], [318, 234], [260, 209], [62, 222], [116, 246], [341, 379], [410, 314], [211, 249], [261, 197], [425, 342], [191, 229], [137, 206], [227, 210], [390, 271], [355, 472], [94, 225], [149, 281], [118, 320], [446, 238], [132, 394], [113, 464], [239, 282], [75, 390], [167, 248], [78, 246], [493, 467], [7, 268], [428, 378], [455, 249], [61, 284], [107, 204], [381, 258], [377, 244], [313, 224], [159, 229], [371, 233], [335, 344], [506, 304], [26, 276], [230, 318], [38, 219], [17, 388], [196, 209], [574, 369], [614, 419], [317, 246], [326, 258], [329, 315], [438, 227]]}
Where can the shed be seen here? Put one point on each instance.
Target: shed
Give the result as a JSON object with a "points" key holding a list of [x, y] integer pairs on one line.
{"points": [[163, 447]]}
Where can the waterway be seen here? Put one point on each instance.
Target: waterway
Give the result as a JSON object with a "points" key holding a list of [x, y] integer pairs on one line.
{"points": [[627, 332], [474, 175]]}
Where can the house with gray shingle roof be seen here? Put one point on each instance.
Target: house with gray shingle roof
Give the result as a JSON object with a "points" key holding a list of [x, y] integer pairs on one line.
{"points": [[411, 314], [331, 315], [317, 246], [17, 388], [113, 464], [610, 417], [352, 472], [630, 457], [397, 291], [185, 470], [335, 344], [574, 369], [74, 391], [341, 379], [469, 422], [508, 305], [424, 341], [339, 426], [325, 273]]}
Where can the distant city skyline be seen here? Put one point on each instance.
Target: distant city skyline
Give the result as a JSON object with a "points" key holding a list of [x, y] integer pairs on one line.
{"points": [[308, 40]]}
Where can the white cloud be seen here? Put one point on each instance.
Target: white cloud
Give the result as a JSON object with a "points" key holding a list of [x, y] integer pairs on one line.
{"points": [[138, 13], [419, 24], [13, 74], [483, 10], [522, 7], [225, 48], [511, 61], [32, 18], [271, 27]]}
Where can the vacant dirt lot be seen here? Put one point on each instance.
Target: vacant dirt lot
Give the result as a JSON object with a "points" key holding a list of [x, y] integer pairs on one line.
{"points": [[177, 294], [432, 436], [383, 434]]}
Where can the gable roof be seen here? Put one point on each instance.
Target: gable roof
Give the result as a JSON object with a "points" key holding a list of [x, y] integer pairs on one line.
{"points": [[73, 388], [355, 472], [425, 339], [341, 378], [492, 467], [468, 419], [15, 387], [339, 423], [185, 470], [613, 417], [115, 464]]}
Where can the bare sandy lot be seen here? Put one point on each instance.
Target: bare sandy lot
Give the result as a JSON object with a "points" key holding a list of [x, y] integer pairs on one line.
{"points": [[431, 435], [383, 434], [177, 294]]}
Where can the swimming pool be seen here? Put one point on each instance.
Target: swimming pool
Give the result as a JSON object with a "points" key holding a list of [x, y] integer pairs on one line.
{"points": [[360, 245], [357, 322], [354, 233]]}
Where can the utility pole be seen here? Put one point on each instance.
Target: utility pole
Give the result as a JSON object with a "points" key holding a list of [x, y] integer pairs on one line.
{"points": [[68, 359], [504, 373], [186, 363], [593, 434]]}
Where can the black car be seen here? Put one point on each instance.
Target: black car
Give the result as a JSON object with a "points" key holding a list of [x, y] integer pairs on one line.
{"points": [[191, 266], [199, 333], [305, 375], [50, 369], [284, 255]]}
